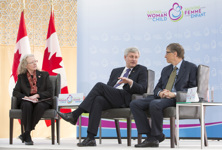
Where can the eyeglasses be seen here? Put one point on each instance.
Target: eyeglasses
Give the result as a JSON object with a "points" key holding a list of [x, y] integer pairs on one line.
{"points": [[167, 52], [33, 62]]}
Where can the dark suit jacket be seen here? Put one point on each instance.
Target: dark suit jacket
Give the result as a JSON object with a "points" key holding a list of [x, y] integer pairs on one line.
{"points": [[187, 77], [138, 75], [44, 86]]}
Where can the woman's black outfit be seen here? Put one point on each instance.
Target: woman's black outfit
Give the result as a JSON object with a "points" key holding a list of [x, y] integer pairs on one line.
{"points": [[32, 112]]}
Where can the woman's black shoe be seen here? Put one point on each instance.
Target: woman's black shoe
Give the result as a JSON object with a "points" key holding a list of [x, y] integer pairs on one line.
{"points": [[22, 137], [29, 143], [28, 139]]}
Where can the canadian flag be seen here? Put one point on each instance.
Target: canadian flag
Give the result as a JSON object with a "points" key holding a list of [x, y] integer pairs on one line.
{"points": [[52, 60], [22, 48]]}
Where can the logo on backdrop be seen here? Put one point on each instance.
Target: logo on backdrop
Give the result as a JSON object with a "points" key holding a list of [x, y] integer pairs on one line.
{"points": [[176, 13]]}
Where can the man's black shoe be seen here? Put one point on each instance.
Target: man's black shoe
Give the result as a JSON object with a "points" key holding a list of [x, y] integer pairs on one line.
{"points": [[162, 138], [68, 117], [87, 142], [149, 142]]}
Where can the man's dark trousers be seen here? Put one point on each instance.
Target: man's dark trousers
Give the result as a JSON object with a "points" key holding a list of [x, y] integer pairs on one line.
{"points": [[138, 108], [100, 98]]}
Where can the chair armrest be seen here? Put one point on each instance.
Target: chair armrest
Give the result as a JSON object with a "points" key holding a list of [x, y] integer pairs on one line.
{"points": [[181, 96], [136, 96], [55, 103], [147, 94], [14, 102]]}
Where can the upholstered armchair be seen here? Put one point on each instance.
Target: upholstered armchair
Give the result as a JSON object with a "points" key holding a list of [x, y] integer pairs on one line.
{"points": [[50, 114], [125, 113], [186, 112]]}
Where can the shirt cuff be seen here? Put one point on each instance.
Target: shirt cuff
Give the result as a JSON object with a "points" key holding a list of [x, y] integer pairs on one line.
{"points": [[175, 93], [131, 85], [159, 92]]}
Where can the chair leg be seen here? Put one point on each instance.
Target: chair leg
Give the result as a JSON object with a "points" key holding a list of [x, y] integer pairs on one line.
{"points": [[139, 138], [100, 132], [128, 131], [172, 132], [22, 129], [205, 131], [58, 130], [205, 135], [11, 131], [175, 135], [53, 130], [118, 131]]}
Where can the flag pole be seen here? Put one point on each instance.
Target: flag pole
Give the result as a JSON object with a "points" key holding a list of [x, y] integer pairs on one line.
{"points": [[52, 5], [23, 5]]}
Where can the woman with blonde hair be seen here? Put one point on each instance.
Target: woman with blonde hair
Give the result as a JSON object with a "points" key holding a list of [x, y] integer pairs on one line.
{"points": [[32, 86]]}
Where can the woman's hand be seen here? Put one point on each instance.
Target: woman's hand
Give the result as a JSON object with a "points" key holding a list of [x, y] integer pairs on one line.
{"points": [[34, 97]]}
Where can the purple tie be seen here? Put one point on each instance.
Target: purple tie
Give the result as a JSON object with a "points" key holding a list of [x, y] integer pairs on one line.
{"points": [[125, 75]]}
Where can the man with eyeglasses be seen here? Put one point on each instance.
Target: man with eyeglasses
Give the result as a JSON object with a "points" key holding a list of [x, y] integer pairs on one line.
{"points": [[178, 76]]}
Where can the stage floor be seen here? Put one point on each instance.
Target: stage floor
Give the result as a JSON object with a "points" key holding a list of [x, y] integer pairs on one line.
{"points": [[107, 144]]}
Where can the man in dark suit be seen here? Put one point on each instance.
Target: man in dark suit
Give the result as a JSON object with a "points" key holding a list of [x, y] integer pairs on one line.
{"points": [[123, 82], [178, 76]]}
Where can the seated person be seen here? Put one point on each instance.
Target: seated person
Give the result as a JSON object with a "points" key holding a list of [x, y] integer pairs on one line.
{"points": [[32, 85], [117, 93], [178, 76]]}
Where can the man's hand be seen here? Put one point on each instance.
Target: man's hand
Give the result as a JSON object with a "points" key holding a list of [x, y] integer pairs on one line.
{"points": [[163, 93], [125, 80], [166, 94]]}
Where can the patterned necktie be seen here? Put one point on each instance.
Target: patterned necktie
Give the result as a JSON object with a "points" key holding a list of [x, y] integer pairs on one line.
{"points": [[125, 75], [171, 79]]}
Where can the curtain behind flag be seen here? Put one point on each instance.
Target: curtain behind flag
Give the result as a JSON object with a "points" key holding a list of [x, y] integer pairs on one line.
{"points": [[22, 48], [52, 60]]}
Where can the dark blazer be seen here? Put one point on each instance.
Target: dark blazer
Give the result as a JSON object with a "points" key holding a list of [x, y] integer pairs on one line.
{"points": [[187, 77], [44, 86], [138, 75]]}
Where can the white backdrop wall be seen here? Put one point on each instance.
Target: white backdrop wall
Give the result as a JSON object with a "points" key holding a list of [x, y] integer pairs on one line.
{"points": [[106, 28]]}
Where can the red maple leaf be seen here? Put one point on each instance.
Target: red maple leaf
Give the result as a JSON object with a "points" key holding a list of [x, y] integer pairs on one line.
{"points": [[50, 64], [15, 65]]}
